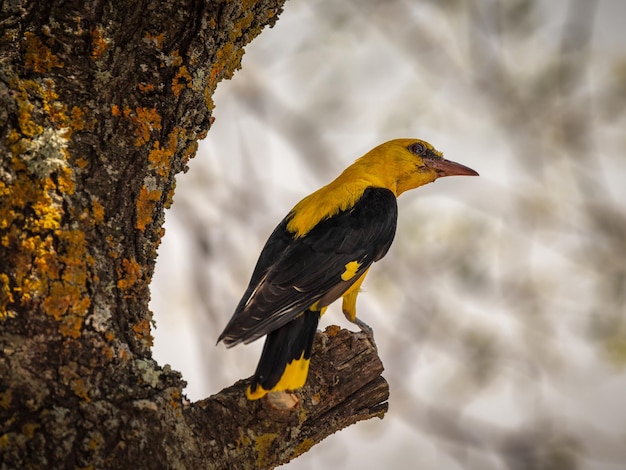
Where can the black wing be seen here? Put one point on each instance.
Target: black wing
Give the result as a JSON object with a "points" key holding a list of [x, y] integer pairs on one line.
{"points": [[292, 274]]}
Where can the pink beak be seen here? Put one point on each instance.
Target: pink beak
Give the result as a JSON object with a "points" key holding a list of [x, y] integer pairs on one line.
{"points": [[445, 167]]}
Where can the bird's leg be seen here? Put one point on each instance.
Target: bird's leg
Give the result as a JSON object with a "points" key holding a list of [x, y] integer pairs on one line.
{"points": [[349, 308], [364, 327]]}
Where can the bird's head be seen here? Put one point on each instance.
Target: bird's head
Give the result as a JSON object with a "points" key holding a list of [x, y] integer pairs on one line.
{"points": [[409, 163]]}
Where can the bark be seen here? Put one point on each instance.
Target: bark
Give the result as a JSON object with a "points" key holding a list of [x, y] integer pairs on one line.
{"points": [[101, 105]]}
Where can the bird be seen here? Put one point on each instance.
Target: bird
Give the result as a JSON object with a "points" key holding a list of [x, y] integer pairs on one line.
{"points": [[321, 251]]}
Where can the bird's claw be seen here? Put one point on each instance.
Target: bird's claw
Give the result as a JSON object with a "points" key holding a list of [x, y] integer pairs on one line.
{"points": [[365, 328]]}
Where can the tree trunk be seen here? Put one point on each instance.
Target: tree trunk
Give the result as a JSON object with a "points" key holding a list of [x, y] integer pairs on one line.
{"points": [[101, 105]]}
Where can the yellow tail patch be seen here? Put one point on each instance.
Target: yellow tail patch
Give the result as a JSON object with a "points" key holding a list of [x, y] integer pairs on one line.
{"points": [[293, 378]]}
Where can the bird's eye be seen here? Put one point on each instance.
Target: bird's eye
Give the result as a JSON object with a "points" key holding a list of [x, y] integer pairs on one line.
{"points": [[417, 148]]}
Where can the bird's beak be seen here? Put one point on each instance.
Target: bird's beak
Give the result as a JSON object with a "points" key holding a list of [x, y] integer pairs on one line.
{"points": [[445, 167]]}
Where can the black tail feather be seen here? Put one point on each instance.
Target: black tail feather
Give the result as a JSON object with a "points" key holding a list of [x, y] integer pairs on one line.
{"points": [[289, 343]]}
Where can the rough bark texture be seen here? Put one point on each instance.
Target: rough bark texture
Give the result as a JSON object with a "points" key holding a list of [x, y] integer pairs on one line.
{"points": [[345, 387], [101, 105]]}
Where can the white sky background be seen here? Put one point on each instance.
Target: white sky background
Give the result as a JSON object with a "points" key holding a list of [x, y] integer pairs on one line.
{"points": [[482, 309]]}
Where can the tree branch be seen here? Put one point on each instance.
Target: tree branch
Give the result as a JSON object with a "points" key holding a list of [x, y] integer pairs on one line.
{"points": [[344, 387]]}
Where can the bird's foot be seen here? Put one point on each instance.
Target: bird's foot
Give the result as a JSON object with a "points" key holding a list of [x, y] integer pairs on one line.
{"points": [[365, 328]]}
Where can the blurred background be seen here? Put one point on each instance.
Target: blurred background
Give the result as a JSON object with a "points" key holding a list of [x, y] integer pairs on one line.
{"points": [[499, 312]]}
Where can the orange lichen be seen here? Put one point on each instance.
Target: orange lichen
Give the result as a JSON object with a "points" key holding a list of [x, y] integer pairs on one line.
{"points": [[169, 199], [175, 401], [40, 95], [65, 181], [38, 56], [157, 40], [244, 22], [51, 263], [145, 121], [190, 151], [175, 398], [208, 98], [161, 158], [142, 331], [97, 209], [80, 389], [70, 326], [129, 273], [177, 85], [227, 60], [145, 87], [74, 256], [146, 202], [81, 162], [52, 273], [203, 133], [36, 255], [58, 302], [67, 301], [47, 219], [99, 44], [78, 118], [55, 110], [114, 252], [222, 57], [174, 59], [27, 126]]}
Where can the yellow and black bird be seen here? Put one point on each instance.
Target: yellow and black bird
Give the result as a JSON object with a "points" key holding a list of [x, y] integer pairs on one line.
{"points": [[321, 251]]}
